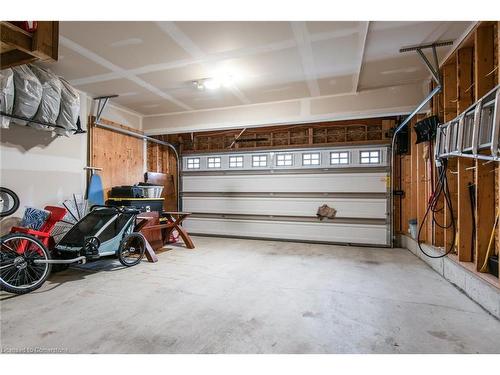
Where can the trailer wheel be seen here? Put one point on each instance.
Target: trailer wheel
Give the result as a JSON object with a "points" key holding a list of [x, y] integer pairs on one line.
{"points": [[19, 271], [132, 249], [9, 202]]}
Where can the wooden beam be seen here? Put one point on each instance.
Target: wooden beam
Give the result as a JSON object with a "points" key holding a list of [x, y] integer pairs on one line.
{"points": [[421, 188], [407, 191], [15, 36], [46, 40], [498, 168], [465, 77], [465, 216], [414, 172], [465, 177], [387, 125], [497, 249], [485, 209], [484, 60], [398, 201], [15, 57], [429, 170], [497, 206], [437, 232], [450, 112], [450, 91]]}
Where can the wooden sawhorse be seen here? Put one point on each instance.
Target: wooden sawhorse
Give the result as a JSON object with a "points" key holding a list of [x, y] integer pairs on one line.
{"points": [[174, 220]]}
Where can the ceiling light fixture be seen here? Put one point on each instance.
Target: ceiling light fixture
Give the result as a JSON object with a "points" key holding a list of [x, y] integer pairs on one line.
{"points": [[199, 85], [213, 83]]}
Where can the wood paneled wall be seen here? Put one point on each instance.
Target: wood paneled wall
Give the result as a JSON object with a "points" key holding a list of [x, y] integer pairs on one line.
{"points": [[120, 156], [161, 159]]}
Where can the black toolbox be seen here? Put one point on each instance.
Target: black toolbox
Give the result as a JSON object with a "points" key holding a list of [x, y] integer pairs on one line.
{"points": [[126, 192], [143, 204]]}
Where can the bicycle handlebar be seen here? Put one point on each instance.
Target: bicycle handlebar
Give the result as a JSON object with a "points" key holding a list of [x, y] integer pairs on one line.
{"points": [[120, 209]]}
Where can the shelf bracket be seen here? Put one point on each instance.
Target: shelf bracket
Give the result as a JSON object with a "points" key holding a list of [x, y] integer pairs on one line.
{"points": [[102, 101], [433, 68]]}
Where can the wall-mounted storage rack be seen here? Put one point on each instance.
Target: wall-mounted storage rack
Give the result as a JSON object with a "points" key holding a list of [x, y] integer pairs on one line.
{"points": [[78, 129], [473, 134]]}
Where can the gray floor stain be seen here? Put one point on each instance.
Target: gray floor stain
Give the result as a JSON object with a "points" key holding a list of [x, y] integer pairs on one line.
{"points": [[439, 334], [45, 334], [309, 314], [370, 262]]}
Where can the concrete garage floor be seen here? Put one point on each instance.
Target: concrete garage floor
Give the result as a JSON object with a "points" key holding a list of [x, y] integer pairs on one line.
{"points": [[243, 296]]}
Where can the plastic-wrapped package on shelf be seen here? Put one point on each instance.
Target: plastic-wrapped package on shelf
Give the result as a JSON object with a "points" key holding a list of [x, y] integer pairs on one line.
{"points": [[28, 93], [6, 95], [48, 111], [70, 109]]}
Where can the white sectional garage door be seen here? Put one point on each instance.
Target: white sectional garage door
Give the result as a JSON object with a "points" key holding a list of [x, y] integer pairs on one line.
{"points": [[276, 194]]}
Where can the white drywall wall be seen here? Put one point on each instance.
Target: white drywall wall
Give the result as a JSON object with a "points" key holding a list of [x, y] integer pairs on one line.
{"points": [[45, 170]]}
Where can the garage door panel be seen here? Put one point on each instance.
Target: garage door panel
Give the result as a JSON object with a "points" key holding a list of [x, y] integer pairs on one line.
{"points": [[267, 194], [321, 231], [346, 207], [293, 183]]}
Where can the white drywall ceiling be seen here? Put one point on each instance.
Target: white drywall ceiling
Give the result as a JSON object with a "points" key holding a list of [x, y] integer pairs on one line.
{"points": [[151, 65]]}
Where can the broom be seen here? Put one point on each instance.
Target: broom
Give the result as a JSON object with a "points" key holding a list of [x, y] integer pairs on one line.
{"points": [[484, 268]]}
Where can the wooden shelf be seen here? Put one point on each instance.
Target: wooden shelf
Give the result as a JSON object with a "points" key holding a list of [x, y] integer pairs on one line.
{"points": [[18, 46]]}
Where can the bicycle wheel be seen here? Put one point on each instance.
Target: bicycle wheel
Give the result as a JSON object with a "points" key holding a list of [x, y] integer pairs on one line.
{"points": [[9, 202], [131, 250], [19, 273]]}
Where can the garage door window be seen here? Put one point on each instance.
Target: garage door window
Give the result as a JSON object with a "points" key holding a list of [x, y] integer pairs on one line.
{"points": [[339, 158], [370, 157], [236, 162], [259, 161], [214, 162], [284, 160], [310, 159], [193, 163]]}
